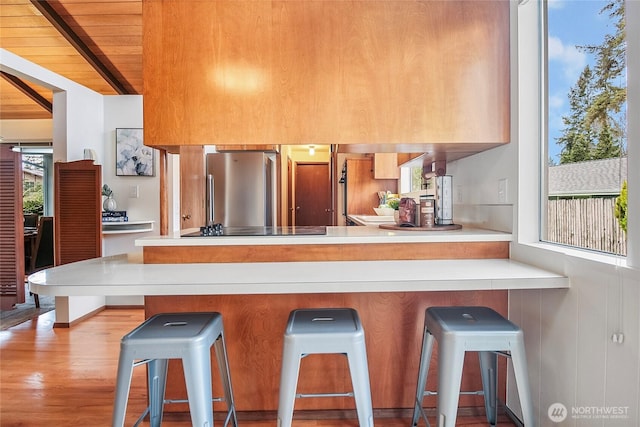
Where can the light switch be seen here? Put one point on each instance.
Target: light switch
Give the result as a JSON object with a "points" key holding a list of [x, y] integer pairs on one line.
{"points": [[134, 191]]}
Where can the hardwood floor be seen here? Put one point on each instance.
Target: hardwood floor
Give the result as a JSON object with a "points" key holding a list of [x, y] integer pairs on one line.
{"points": [[66, 377]]}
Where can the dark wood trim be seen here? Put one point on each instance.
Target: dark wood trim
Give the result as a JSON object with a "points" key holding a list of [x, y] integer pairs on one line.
{"points": [[65, 30], [23, 87]]}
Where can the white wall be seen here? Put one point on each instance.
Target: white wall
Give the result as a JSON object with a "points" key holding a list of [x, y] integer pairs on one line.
{"points": [[125, 111]]}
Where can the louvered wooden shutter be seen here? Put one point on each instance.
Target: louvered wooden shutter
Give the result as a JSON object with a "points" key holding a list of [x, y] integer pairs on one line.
{"points": [[11, 229], [78, 217]]}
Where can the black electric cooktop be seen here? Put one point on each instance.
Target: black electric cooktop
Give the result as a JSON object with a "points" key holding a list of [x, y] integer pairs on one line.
{"points": [[217, 230]]}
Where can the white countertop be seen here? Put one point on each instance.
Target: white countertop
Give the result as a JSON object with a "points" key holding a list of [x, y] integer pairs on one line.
{"points": [[126, 275], [335, 235]]}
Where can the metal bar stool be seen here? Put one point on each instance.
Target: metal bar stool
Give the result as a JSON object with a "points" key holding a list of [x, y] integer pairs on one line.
{"points": [[461, 329], [186, 336], [324, 331]]}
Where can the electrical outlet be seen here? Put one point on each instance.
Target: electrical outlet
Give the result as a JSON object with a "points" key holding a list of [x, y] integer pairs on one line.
{"points": [[502, 190], [134, 191]]}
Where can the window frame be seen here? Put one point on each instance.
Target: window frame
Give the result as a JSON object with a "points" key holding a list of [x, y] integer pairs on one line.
{"points": [[529, 129]]}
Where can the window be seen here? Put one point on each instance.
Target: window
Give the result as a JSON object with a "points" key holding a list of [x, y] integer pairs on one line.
{"points": [[37, 165], [586, 153]]}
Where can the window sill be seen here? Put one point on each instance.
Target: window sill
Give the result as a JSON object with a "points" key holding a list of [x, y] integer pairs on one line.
{"points": [[555, 253]]}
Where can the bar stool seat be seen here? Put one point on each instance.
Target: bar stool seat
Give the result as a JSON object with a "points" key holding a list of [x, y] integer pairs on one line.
{"points": [[461, 329], [324, 331], [186, 336]]}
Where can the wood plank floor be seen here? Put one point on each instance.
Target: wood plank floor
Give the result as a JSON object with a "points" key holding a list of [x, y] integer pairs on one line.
{"points": [[66, 377]]}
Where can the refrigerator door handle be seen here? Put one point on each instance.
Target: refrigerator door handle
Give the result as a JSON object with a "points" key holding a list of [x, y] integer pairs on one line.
{"points": [[210, 200]]}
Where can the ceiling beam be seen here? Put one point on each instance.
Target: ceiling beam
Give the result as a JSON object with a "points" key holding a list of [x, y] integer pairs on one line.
{"points": [[56, 20], [28, 90]]}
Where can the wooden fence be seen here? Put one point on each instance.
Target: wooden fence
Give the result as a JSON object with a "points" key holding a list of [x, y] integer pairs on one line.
{"points": [[587, 223]]}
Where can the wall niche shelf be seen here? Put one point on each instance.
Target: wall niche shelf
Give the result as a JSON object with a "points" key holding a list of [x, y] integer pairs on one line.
{"points": [[127, 227]]}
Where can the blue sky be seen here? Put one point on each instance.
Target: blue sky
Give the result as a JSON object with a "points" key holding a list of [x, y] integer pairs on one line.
{"points": [[571, 23]]}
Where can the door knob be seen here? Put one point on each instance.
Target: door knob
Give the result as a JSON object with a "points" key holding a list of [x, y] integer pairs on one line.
{"points": [[186, 217]]}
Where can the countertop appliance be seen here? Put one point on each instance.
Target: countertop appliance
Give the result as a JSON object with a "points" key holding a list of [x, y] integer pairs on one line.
{"points": [[218, 229], [241, 189]]}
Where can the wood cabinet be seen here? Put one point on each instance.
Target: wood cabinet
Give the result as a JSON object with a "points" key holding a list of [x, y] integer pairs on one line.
{"points": [[362, 188], [385, 166], [300, 72], [78, 211], [248, 147], [192, 187]]}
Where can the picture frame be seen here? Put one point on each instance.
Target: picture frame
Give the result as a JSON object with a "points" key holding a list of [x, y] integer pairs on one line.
{"points": [[133, 158]]}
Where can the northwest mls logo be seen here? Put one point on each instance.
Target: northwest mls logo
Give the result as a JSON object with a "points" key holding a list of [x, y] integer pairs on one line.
{"points": [[557, 412]]}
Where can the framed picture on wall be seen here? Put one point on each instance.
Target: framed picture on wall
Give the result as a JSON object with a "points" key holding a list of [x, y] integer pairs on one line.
{"points": [[133, 158]]}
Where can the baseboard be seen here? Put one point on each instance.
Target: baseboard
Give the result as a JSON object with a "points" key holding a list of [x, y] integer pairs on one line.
{"points": [[123, 307], [79, 319]]}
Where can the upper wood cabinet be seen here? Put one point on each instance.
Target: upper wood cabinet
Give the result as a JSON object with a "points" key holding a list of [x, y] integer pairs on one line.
{"points": [[329, 72], [385, 166]]}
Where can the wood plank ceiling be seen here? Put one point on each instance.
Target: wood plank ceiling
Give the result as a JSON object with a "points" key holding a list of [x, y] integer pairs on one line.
{"points": [[96, 43]]}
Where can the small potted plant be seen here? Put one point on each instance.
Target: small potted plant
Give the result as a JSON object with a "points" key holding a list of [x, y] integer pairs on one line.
{"points": [[395, 205], [109, 203]]}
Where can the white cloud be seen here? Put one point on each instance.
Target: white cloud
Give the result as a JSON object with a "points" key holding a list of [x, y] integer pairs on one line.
{"points": [[556, 102], [570, 59], [555, 4]]}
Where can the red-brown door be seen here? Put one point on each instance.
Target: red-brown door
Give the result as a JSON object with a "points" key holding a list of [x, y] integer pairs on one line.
{"points": [[313, 194]]}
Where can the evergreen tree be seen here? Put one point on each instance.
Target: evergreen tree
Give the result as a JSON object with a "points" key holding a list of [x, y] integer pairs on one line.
{"points": [[596, 125], [577, 138], [610, 79]]}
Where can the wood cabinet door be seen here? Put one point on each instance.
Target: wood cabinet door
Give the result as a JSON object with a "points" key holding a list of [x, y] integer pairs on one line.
{"points": [[77, 211], [302, 72], [192, 187], [362, 187], [385, 166]]}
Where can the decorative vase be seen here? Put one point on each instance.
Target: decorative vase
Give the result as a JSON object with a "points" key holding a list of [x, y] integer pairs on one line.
{"points": [[109, 204]]}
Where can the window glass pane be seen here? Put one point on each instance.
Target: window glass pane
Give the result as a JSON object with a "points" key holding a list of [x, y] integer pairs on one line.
{"points": [[587, 165], [33, 174]]}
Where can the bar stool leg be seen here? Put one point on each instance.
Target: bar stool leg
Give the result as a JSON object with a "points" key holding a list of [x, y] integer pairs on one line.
{"points": [[288, 383], [450, 361], [197, 375], [123, 382], [489, 371], [425, 360], [157, 380], [225, 376], [519, 360], [359, 371]]}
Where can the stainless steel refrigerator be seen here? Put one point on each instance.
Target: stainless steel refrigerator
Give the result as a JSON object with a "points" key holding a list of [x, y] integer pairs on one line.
{"points": [[241, 188]]}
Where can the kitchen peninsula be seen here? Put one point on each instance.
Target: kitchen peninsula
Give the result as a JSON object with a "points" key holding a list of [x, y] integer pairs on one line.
{"points": [[390, 277]]}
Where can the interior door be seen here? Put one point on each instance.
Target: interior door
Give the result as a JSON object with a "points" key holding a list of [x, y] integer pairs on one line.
{"points": [[192, 187], [11, 229], [313, 194]]}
